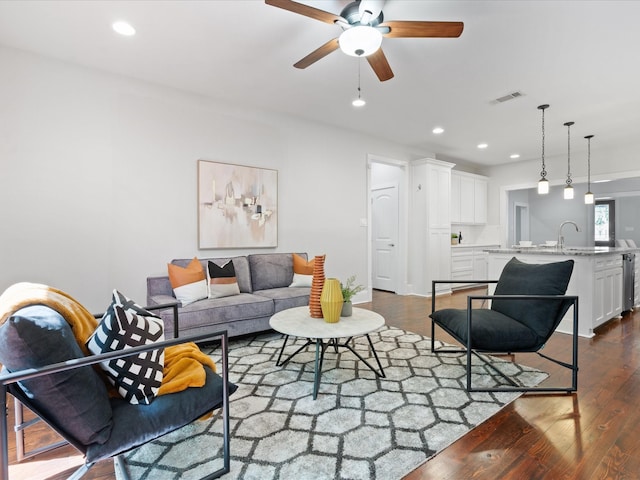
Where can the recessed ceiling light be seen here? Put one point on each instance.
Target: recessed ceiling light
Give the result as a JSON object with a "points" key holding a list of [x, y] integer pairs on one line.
{"points": [[514, 155], [482, 145], [438, 130], [123, 28]]}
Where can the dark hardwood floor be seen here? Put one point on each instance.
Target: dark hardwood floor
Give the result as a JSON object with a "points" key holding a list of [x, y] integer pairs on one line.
{"points": [[593, 434]]}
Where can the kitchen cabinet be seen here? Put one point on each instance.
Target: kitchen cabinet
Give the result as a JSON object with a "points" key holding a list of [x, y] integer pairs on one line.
{"points": [[636, 283], [469, 263], [430, 227], [468, 198], [608, 289]]}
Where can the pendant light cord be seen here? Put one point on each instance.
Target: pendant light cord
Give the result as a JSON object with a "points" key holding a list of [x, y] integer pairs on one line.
{"points": [[359, 67], [543, 173], [568, 125], [588, 165]]}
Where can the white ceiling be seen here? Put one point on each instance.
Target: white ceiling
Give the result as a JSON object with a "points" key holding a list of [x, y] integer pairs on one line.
{"points": [[578, 56]]}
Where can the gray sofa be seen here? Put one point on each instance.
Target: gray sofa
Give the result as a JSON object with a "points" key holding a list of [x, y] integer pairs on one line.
{"points": [[263, 280]]}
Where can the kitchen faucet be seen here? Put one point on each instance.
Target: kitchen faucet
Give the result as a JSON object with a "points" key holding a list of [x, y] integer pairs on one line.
{"points": [[560, 237]]}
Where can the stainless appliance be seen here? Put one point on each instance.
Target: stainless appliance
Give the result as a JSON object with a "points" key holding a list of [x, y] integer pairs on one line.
{"points": [[628, 274]]}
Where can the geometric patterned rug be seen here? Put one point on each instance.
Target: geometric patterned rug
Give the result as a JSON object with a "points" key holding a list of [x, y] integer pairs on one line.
{"points": [[360, 427]]}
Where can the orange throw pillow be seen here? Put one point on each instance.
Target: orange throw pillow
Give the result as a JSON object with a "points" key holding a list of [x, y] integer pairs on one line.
{"points": [[302, 271], [189, 283]]}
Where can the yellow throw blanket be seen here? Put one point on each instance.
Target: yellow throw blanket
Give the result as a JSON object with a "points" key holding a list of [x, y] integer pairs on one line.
{"points": [[183, 364]]}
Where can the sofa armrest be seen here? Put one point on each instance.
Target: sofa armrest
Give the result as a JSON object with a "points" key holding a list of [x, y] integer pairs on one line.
{"points": [[158, 286], [156, 302]]}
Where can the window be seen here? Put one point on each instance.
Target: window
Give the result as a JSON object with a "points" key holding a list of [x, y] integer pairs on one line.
{"points": [[605, 222]]}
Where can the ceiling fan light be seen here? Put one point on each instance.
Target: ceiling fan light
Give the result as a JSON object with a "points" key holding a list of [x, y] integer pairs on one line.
{"points": [[360, 41]]}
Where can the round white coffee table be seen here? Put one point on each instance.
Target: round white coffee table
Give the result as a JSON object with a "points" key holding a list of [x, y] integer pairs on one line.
{"points": [[297, 322]]}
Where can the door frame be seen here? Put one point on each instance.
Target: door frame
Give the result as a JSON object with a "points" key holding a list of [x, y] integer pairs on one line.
{"points": [[403, 221], [521, 207]]}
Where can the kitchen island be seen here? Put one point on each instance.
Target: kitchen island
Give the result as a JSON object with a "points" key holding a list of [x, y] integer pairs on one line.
{"points": [[596, 279]]}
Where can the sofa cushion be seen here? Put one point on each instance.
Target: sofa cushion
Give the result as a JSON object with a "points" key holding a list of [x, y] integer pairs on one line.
{"points": [[189, 283], [222, 280], [216, 311], [125, 325], [271, 270], [76, 400], [491, 330], [287, 297]]}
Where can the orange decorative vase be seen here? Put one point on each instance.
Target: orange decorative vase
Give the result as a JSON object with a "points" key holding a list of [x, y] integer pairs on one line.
{"points": [[331, 300], [315, 310]]}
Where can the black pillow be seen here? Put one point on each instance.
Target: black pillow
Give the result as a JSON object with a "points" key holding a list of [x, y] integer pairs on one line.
{"points": [[519, 278], [76, 400], [222, 281]]}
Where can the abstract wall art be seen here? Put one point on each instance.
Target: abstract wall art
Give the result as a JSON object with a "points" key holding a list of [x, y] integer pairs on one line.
{"points": [[237, 206]]}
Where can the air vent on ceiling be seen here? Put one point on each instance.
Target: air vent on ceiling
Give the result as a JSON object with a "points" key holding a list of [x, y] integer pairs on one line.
{"points": [[506, 98]]}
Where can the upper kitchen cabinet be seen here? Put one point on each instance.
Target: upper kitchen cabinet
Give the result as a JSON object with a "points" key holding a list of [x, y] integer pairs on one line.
{"points": [[468, 198]]}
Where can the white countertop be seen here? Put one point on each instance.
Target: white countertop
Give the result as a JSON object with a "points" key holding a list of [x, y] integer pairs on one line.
{"points": [[475, 245], [566, 251]]}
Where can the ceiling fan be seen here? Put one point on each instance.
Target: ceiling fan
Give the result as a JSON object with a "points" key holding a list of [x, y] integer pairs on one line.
{"points": [[363, 29]]}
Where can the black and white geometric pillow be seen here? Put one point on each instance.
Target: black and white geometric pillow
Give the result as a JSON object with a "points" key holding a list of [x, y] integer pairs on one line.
{"points": [[124, 325]]}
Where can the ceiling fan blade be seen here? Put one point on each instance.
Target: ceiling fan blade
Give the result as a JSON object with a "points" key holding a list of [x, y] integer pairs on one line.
{"points": [[415, 29], [380, 65], [317, 54], [305, 10]]}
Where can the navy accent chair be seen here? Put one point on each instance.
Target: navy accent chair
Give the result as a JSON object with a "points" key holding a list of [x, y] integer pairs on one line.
{"points": [[60, 385], [527, 306]]}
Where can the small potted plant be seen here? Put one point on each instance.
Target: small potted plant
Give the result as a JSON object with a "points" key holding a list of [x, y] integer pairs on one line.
{"points": [[454, 239], [349, 289]]}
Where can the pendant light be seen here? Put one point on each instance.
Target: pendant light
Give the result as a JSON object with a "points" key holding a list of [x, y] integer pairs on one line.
{"points": [[568, 190], [359, 102], [543, 184], [588, 197]]}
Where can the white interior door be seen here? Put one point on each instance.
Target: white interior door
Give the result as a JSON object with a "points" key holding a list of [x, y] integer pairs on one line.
{"points": [[384, 234]]}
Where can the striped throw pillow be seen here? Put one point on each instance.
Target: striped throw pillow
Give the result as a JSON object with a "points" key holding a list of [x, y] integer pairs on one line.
{"points": [[222, 280], [189, 283]]}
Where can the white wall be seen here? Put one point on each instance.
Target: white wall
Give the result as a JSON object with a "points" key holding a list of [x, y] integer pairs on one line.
{"points": [[98, 178]]}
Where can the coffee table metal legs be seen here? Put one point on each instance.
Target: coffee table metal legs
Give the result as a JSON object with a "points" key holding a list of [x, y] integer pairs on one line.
{"points": [[321, 347]]}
